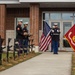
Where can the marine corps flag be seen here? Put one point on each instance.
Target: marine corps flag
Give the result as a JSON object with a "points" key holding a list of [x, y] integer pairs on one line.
{"points": [[70, 36]]}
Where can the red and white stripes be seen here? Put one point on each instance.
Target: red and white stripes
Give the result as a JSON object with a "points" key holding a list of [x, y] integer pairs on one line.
{"points": [[44, 42]]}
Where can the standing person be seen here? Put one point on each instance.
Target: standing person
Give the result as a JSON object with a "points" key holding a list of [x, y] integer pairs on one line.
{"points": [[25, 42], [52, 39], [19, 35], [55, 38]]}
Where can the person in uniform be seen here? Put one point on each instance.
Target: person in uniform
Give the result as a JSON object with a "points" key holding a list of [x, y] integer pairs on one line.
{"points": [[19, 35], [55, 33], [52, 39], [25, 41]]}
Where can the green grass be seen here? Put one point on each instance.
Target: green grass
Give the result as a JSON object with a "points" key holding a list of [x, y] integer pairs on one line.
{"points": [[4, 55]]}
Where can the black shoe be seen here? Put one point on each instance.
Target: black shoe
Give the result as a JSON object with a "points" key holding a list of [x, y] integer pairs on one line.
{"points": [[51, 51]]}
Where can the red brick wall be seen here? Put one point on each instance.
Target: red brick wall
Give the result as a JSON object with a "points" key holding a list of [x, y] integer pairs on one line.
{"points": [[40, 19], [34, 22], [2, 20], [13, 13]]}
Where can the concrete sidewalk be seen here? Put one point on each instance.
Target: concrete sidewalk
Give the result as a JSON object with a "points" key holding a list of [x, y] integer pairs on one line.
{"points": [[44, 64]]}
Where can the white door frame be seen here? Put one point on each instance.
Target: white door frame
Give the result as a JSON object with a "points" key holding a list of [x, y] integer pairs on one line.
{"points": [[65, 48]]}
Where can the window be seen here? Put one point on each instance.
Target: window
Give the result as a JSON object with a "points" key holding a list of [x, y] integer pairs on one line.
{"points": [[67, 16], [74, 18], [45, 16], [55, 16], [66, 27]]}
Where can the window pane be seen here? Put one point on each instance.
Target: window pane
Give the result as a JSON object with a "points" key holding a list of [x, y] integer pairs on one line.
{"points": [[66, 26], [46, 16], [55, 16], [67, 16], [74, 18]]}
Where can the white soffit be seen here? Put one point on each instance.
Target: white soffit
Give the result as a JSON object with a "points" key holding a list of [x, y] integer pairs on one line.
{"points": [[46, 0], [31, 1], [9, 1], [45, 5]]}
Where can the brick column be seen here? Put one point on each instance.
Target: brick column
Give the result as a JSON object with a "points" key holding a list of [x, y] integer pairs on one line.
{"points": [[34, 23], [2, 20]]}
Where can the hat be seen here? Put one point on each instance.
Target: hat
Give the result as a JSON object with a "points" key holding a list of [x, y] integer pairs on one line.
{"points": [[20, 20], [56, 24], [25, 23]]}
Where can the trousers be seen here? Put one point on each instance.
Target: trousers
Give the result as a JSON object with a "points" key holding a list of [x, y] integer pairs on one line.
{"points": [[20, 46], [25, 43], [55, 46]]}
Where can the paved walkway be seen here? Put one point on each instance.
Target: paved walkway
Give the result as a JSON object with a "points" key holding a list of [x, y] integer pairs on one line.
{"points": [[44, 64]]}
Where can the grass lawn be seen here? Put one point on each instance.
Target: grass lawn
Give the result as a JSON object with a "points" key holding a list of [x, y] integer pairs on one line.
{"points": [[4, 55], [73, 64], [5, 65]]}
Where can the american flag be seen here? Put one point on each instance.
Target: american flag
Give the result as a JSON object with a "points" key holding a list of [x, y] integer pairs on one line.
{"points": [[45, 38]]}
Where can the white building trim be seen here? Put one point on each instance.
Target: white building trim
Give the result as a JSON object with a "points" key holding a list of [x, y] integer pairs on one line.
{"points": [[9, 2], [30, 1], [46, 0]]}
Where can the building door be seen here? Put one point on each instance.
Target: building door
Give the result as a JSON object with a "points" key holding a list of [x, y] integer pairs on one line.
{"points": [[65, 21], [66, 25]]}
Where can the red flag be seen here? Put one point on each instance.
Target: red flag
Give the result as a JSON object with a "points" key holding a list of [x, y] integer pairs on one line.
{"points": [[70, 36]]}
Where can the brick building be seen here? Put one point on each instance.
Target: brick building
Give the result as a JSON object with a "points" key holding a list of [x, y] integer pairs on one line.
{"points": [[35, 13]]}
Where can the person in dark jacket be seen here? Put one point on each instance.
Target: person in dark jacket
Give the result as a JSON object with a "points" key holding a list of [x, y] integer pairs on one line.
{"points": [[52, 39], [55, 33], [25, 42], [19, 35]]}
